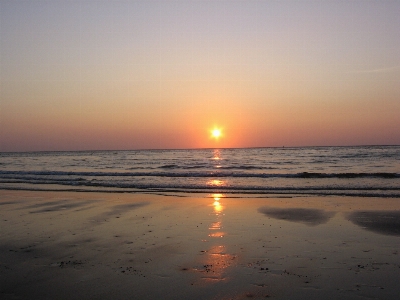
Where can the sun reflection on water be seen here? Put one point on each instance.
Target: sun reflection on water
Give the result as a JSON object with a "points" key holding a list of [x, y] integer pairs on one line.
{"points": [[216, 182], [216, 154]]}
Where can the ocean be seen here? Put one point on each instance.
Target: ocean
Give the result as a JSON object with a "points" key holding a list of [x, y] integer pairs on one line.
{"points": [[366, 171]]}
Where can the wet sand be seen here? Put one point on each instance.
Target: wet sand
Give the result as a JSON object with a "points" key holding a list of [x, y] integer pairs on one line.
{"points": [[67, 245]]}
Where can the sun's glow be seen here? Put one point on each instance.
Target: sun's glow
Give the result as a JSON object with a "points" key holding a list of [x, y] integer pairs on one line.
{"points": [[216, 133]]}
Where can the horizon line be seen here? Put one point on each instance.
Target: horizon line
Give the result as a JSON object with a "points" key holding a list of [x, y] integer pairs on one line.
{"points": [[205, 148]]}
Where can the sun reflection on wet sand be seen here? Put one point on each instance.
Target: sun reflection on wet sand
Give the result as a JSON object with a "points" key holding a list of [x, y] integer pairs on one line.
{"points": [[216, 263], [218, 208], [215, 227], [216, 259], [217, 197]]}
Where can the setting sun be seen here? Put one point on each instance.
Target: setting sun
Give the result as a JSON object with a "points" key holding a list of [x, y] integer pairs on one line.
{"points": [[216, 133]]}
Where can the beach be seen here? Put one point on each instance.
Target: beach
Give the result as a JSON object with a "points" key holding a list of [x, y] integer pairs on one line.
{"points": [[90, 245], [201, 150]]}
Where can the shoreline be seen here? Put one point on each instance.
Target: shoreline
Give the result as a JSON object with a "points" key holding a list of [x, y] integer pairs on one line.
{"points": [[189, 193], [70, 245]]}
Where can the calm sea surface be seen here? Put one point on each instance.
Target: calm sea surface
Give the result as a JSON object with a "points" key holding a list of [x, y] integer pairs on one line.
{"points": [[358, 171]]}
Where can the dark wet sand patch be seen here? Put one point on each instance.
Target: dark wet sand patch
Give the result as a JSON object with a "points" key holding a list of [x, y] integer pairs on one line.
{"points": [[307, 216], [384, 222], [122, 208], [8, 203]]}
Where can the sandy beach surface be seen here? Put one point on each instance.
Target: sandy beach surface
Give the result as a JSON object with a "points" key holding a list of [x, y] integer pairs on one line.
{"points": [[70, 245]]}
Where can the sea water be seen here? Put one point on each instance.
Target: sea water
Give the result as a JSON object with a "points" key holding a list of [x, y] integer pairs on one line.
{"points": [[354, 171]]}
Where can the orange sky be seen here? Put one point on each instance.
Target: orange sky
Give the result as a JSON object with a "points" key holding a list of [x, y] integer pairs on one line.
{"points": [[161, 74]]}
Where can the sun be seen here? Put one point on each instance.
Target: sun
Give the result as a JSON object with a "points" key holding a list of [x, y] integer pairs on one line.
{"points": [[216, 133]]}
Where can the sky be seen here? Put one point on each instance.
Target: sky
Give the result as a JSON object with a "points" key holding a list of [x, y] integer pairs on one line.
{"points": [[93, 75]]}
